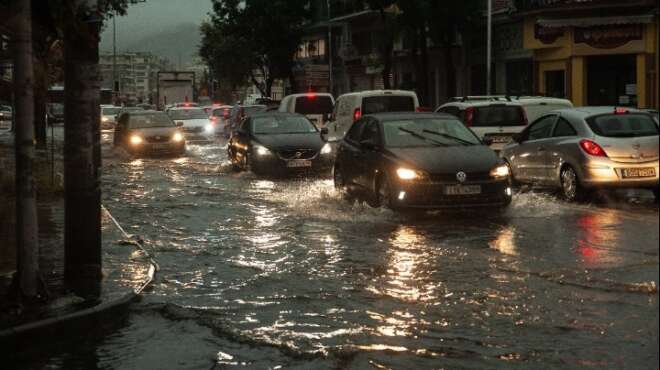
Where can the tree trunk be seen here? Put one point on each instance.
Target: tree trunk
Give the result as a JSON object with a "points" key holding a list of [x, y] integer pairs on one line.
{"points": [[27, 241], [82, 156]]}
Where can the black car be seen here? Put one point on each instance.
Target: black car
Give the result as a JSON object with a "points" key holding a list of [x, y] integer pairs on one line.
{"points": [[149, 132], [279, 143], [419, 161]]}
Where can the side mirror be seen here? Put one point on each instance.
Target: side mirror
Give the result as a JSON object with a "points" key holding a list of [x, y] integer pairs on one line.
{"points": [[488, 141], [368, 144], [324, 131]]}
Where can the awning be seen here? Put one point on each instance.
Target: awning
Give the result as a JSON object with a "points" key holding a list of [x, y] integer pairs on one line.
{"points": [[595, 21]]}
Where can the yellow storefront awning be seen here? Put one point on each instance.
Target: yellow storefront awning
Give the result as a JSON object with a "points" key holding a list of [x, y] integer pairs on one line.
{"points": [[595, 21]]}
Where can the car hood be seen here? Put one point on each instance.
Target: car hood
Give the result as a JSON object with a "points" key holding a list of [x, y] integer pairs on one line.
{"points": [[291, 141], [440, 160], [155, 131]]}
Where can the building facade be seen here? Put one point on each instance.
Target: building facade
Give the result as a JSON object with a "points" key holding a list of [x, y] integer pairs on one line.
{"points": [[133, 76], [593, 52]]}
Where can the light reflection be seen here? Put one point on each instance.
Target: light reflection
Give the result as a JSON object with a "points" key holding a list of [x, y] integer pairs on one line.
{"points": [[598, 232], [505, 242]]}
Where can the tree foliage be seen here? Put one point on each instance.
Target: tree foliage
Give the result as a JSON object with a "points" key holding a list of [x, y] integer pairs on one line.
{"points": [[245, 39]]}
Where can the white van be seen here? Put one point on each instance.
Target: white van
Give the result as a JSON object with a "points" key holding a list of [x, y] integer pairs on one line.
{"points": [[536, 106], [350, 107], [317, 107]]}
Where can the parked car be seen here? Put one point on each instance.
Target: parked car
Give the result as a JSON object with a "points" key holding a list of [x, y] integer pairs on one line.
{"points": [[279, 143], [317, 107], [55, 113], [350, 107], [536, 106], [419, 161], [149, 132], [109, 116], [194, 121], [220, 117], [494, 120], [578, 150], [238, 114]]}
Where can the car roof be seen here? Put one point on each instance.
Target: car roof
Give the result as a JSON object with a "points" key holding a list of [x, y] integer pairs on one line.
{"points": [[274, 113], [390, 116], [480, 103], [186, 108], [301, 95], [584, 112], [143, 112], [381, 93]]}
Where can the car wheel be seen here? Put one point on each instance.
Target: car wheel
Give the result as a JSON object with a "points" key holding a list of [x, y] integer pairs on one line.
{"points": [[571, 188], [383, 194], [340, 183], [512, 178]]}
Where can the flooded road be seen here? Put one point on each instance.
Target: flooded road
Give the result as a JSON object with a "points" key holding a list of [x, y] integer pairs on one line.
{"points": [[263, 274]]}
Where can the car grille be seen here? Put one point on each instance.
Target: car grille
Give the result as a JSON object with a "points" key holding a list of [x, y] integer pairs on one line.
{"points": [[158, 139], [451, 178], [297, 154], [193, 129]]}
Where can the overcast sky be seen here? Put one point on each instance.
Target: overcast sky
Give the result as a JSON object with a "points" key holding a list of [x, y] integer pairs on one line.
{"points": [[152, 17]]}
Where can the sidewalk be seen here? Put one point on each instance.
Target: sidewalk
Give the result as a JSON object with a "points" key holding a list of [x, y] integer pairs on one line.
{"points": [[127, 268]]}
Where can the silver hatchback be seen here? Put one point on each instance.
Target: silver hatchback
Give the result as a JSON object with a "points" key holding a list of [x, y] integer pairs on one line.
{"points": [[578, 150]]}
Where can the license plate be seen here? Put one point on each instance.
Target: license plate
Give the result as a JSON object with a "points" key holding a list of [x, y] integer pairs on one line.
{"points": [[462, 189], [299, 163], [160, 146], [637, 172], [499, 139]]}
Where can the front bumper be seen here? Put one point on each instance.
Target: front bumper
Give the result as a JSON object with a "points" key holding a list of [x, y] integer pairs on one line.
{"points": [[159, 148], [274, 165], [432, 195], [606, 173]]}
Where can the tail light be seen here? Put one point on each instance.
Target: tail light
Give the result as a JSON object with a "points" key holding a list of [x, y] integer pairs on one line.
{"points": [[592, 148], [226, 113], [357, 114], [214, 120], [619, 110], [422, 109], [469, 116]]}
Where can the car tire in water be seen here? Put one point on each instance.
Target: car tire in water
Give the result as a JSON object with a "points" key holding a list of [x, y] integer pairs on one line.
{"points": [[340, 183], [571, 188], [382, 196]]}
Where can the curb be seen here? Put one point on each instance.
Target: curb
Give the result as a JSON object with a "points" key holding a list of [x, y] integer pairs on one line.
{"points": [[103, 308]]}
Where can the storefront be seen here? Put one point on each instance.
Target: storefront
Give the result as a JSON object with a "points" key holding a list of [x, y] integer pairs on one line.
{"points": [[610, 60]]}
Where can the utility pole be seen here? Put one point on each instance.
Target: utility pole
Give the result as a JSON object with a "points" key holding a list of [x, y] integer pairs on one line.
{"points": [[115, 89], [329, 53], [82, 150], [489, 47], [26, 197]]}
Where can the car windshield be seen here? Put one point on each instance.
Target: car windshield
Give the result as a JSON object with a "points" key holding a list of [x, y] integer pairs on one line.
{"points": [[138, 121], [282, 125], [423, 132], [111, 111], [388, 103], [498, 115], [186, 114], [623, 125], [314, 104]]}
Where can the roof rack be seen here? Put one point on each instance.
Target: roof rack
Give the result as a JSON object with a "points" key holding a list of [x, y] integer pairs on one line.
{"points": [[481, 98]]}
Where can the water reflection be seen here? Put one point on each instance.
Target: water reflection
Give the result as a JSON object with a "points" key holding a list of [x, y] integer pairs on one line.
{"points": [[505, 242], [598, 233]]}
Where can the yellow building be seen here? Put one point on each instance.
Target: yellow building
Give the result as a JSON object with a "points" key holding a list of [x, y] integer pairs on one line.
{"points": [[594, 52]]}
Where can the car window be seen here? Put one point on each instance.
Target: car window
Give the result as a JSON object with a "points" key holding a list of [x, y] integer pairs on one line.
{"points": [[371, 132], [454, 111], [388, 103], [278, 125], [498, 115], [355, 132], [314, 104], [623, 125], [138, 121], [541, 129], [564, 128], [186, 114], [423, 132]]}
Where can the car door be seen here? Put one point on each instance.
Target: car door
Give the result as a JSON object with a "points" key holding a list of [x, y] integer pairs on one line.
{"points": [[349, 152], [529, 160], [563, 133], [367, 163]]}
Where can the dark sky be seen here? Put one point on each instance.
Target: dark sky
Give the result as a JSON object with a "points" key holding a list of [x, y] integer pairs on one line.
{"points": [[153, 17]]}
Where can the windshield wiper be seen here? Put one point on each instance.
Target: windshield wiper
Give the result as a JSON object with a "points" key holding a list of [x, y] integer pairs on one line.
{"points": [[463, 141], [413, 133]]}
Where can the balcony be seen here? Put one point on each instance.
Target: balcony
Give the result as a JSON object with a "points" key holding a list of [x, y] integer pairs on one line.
{"points": [[542, 6]]}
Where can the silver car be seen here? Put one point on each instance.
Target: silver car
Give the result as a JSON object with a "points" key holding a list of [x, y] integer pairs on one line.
{"points": [[578, 150]]}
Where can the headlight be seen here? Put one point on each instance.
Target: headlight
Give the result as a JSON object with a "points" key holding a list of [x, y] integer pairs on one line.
{"points": [[136, 140], [500, 171], [260, 150], [209, 128], [327, 149], [105, 119], [177, 137], [408, 174]]}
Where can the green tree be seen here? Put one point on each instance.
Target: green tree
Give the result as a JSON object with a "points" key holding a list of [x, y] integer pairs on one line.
{"points": [[245, 39]]}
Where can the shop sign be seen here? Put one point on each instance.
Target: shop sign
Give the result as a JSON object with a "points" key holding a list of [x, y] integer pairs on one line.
{"points": [[608, 37], [547, 35]]}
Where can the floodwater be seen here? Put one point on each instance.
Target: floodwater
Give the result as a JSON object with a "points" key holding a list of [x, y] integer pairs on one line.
{"points": [[284, 274]]}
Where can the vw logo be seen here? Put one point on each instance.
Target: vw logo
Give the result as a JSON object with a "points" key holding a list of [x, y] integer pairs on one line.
{"points": [[461, 176], [158, 137], [298, 154]]}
